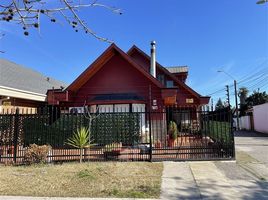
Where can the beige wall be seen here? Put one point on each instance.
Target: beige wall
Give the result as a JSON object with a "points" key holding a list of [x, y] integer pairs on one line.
{"points": [[260, 114], [12, 110]]}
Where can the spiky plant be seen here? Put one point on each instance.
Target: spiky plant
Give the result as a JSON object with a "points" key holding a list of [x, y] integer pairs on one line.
{"points": [[173, 130], [80, 139]]}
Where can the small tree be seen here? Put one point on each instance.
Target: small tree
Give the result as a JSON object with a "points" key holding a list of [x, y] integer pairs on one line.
{"points": [[219, 105], [80, 139], [257, 98], [243, 92]]}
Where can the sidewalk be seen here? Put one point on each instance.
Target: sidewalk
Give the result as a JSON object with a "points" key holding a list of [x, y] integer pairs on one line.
{"points": [[211, 180], [245, 178]]}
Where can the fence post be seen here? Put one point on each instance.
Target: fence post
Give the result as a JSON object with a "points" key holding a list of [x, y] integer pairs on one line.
{"points": [[150, 135], [16, 134]]}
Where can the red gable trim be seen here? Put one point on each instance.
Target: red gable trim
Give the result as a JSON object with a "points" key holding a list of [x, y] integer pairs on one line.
{"points": [[135, 48], [100, 61]]}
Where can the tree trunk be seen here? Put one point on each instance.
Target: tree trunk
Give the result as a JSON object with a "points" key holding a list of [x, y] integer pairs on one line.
{"points": [[88, 153], [81, 155]]}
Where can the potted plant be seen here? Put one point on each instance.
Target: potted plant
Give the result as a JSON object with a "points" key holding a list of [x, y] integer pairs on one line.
{"points": [[112, 151], [172, 133]]}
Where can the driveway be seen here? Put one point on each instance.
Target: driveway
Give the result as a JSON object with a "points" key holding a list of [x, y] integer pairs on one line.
{"points": [[245, 178], [254, 144]]}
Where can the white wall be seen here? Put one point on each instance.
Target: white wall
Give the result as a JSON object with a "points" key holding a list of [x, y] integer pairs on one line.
{"points": [[244, 123], [260, 114]]}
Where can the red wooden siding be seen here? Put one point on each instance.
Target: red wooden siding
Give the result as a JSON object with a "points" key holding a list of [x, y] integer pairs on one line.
{"points": [[116, 72], [182, 93], [117, 76]]}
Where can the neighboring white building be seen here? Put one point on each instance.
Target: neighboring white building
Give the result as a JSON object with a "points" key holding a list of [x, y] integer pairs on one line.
{"points": [[260, 116], [245, 123], [258, 121]]}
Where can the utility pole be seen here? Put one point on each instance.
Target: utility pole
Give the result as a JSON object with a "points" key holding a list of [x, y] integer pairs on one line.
{"points": [[236, 105], [212, 105], [228, 95]]}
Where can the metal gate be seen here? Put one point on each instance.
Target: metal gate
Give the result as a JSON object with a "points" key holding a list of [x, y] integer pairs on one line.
{"points": [[191, 134]]}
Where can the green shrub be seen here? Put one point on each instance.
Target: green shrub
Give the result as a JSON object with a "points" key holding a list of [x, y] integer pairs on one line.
{"points": [[6, 123], [116, 127], [36, 154], [105, 129], [218, 131]]}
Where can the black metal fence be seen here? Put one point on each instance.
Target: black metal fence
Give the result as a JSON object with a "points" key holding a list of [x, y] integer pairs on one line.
{"points": [[169, 134]]}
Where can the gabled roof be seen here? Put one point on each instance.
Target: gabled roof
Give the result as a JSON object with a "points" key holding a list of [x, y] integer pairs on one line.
{"points": [[100, 61], [134, 48], [21, 78]]}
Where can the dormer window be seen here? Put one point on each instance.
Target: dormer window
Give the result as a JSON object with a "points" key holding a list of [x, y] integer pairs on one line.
{"points": [[161, 78], [169, 84]]}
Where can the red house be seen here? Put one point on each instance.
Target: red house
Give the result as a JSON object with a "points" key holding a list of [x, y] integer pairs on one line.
{"points": [[124, 82]]}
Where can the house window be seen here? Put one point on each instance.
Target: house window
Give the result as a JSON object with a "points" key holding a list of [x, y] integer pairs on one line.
{"points": [[105, 108], [136, 107], [110, 108], [121, 108], [161, 78], [169, 84], [76, 110]]}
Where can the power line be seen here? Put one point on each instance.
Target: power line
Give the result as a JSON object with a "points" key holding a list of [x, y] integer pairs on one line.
{"points": [[257, 85], [265, 79], [255, 79], [218, 91], [254, 71]]}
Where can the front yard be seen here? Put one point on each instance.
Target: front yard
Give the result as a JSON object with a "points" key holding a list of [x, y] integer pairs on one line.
{"points": [[111, 179]]}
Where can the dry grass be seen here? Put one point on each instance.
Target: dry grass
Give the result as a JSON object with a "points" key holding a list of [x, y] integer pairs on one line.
{"points": [[112, 179]]}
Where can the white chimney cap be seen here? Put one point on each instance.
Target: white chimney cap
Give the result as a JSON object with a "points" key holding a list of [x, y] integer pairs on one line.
{"points": [[153, 42]]}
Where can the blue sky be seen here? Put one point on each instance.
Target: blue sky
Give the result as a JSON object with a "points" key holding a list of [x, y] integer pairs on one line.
{"points": [[206, 35]]}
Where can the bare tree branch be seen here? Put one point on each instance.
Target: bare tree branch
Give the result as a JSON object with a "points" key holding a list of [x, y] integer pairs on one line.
{"points": [[27, 13], [89, 116]]}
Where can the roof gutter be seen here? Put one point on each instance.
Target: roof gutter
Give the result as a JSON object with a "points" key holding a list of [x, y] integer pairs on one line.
{"points": [[23, 94]]}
